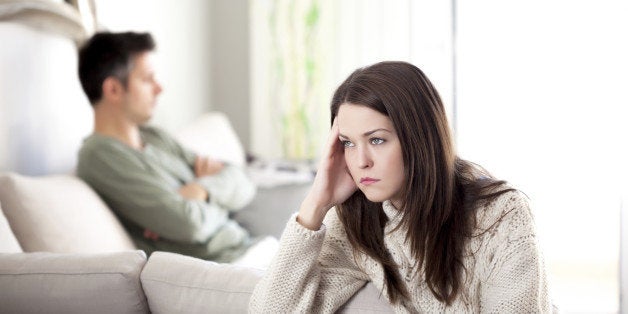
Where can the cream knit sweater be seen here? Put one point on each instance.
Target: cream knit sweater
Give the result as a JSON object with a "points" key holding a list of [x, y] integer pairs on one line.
{"points": [[316, 272]]}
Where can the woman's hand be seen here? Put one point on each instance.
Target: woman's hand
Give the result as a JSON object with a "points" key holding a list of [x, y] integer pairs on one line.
{"points": [[333, 184]]}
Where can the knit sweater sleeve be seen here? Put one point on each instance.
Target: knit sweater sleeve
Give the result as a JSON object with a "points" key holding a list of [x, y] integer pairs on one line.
{"points": [[313, 271], [514, 280]]}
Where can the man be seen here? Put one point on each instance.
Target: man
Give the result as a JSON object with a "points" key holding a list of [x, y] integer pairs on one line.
{"points": [[167, 197]]}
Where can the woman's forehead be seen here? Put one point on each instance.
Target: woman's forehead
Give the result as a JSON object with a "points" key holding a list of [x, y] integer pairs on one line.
{"points": [[356, 118]]}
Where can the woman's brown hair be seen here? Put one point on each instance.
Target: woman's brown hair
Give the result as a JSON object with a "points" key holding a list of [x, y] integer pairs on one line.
{"points": [[442, 190]]}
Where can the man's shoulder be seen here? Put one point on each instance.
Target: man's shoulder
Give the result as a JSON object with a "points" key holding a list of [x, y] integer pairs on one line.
{"points": [[161, 139], [93, 144], [151, 131], [100, 153]]}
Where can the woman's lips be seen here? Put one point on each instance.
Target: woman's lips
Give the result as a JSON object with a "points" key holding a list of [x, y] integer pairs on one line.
{"points": [[368, 181]]}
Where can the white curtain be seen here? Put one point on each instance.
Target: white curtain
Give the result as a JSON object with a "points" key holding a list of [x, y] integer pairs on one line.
{"points": [[349, 34]]}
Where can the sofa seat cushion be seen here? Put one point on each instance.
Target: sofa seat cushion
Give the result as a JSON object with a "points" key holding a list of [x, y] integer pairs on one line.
{"points": [[60, 213], [72, 283], [8, 242]]}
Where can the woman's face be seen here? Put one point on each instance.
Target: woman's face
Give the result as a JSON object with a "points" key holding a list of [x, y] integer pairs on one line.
{"points": [[372, 152]]}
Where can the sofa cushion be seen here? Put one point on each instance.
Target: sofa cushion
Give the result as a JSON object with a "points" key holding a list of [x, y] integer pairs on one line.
{"points": [[61, 214], [367, 300], [8, 242], [72, 283], [176, 283], [211, 135]]}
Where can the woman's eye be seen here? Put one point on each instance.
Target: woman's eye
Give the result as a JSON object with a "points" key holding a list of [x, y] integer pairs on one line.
{"points": [[377, 141], [346, 143]]}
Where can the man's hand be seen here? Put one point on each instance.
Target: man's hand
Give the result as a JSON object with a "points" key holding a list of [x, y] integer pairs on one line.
{"points": [[194, 191], [204, 166], [150, 235]]}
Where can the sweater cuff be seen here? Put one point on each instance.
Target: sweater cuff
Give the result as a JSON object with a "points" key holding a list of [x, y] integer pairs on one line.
{"points": [[294, 228]]}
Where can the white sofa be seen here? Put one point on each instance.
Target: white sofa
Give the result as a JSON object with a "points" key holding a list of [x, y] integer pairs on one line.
{"points": [[62, 250]]}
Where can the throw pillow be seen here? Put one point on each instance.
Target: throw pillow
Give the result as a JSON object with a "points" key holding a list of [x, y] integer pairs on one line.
{"points": [[60, 213], [8, 242], [211, 135]]}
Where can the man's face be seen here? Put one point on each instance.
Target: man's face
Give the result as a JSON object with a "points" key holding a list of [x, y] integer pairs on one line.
{"points": [[142, 90]]}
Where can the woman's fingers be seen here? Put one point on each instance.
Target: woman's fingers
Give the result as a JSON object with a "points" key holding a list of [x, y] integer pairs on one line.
{"points": [[332, 140]]}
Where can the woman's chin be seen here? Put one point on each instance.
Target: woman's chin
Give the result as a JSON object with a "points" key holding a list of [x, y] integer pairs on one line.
{"points": [[374, 198]]}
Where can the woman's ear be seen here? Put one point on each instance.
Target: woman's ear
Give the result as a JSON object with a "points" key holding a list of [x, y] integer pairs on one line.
{"points": [[112, 89]]}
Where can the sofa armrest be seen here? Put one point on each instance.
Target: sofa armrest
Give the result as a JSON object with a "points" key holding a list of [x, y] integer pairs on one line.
{"points": [[72, 283]]}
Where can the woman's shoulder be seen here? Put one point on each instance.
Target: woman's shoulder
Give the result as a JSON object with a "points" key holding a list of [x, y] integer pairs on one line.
{"points": [[332, 222], [509, 212]]}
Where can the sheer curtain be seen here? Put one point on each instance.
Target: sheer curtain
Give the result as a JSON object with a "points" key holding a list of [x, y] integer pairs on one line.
{"points": [[348, 34]]}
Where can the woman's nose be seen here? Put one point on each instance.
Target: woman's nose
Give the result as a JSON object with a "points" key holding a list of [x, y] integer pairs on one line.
{"points": [[364, 159]]}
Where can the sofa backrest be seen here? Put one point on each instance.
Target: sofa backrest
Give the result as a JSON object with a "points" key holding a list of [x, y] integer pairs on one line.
{"points": [[60, 213]]}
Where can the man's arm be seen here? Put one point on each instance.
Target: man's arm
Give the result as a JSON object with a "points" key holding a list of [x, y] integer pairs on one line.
{"points": [[142, 196], [231, 188], [227, 185]]}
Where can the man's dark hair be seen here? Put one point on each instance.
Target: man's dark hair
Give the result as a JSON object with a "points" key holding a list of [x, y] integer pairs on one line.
{"points": [[109, 54]]}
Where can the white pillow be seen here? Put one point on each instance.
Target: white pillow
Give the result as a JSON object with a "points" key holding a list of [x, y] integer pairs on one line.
{"points": [[60, 214], [72, 283], [211, 135], [8, 242]]}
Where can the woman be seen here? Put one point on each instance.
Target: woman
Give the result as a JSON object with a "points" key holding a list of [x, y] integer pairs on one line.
{"points": [[433, 232]]}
